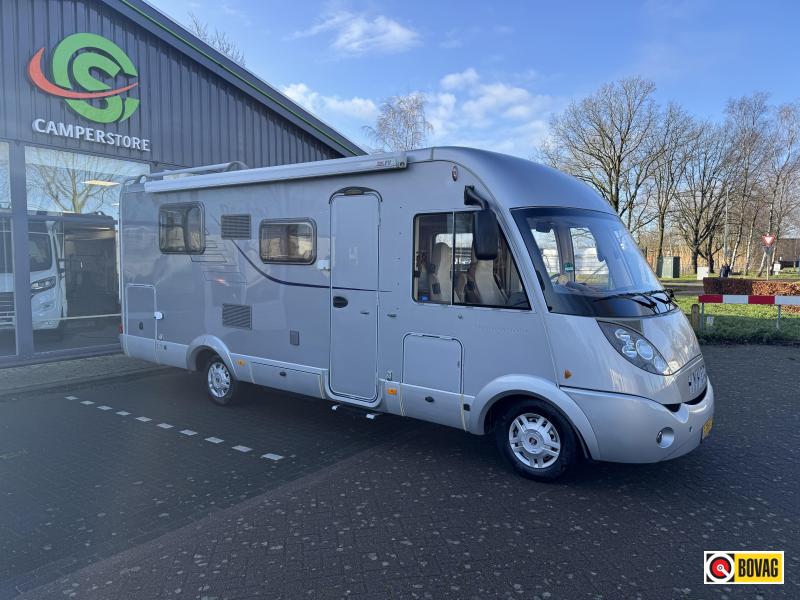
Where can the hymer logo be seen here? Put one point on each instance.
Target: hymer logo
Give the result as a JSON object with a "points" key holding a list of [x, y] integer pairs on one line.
{"points": [[74, 63]]}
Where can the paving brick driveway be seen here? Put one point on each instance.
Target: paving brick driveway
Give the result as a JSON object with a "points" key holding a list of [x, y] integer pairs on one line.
{"points": [[386, 507]]}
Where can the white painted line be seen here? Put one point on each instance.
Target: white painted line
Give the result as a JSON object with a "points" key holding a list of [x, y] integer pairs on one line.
{"points": [[144, 419], [123, 413], [372, 415], [104, 407], [87, 402], [188, 432], [214, 440], [164, 426], [242, 448], [70, 397], [271, 456]]}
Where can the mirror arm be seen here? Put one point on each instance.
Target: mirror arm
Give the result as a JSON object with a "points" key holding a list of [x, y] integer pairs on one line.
{"points": [[472, 198]]}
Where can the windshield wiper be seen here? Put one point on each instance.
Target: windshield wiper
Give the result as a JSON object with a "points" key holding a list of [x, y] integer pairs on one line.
{"points": [[668, 293], [647, 303]]}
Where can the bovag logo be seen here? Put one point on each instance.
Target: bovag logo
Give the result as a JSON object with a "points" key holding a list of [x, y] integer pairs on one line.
{"points": [[74, 63]]}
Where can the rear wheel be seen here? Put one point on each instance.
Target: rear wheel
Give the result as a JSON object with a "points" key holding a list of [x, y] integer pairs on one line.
{"points": [[536, 439], [220, 382]]}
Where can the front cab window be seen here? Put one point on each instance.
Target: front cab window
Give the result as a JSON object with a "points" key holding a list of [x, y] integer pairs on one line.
{"points": [[588, 264]]}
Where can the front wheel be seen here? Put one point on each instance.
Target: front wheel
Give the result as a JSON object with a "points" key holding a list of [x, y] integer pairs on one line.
{"points": [[220, 383], [536, 439]]}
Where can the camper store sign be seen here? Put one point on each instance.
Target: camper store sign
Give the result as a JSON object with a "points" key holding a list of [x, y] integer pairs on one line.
{"points": [[74, 65]]}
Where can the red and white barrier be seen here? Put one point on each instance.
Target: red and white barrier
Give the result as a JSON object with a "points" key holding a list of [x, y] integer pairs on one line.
{"points": [[744, 299]]}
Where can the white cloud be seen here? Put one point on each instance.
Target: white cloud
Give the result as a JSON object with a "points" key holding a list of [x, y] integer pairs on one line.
{"points": [[356, 34], [302, 94], [361, 109], [465, 109], [501, 116], [358, 108], [457, 81], [441, 112], [512, 102]]}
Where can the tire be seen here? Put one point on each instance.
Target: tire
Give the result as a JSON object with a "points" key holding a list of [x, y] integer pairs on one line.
{"points": [[536, 439], [221, 385]]}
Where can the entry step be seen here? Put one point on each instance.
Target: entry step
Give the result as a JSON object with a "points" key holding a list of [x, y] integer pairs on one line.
{"points": [[354, 411]]}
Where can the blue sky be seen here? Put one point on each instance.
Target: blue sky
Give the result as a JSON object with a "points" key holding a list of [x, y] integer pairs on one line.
{"points": [[494, 72]]}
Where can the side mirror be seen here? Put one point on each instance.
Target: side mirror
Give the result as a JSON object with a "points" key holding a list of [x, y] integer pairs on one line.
{"points": [[485, 234]]}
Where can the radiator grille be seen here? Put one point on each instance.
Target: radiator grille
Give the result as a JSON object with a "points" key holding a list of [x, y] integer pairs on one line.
{"points": [[236, 227], [237, 315]]}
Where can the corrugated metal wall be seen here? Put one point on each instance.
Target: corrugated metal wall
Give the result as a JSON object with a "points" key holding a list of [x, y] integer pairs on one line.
{"points": [[190, 114]]}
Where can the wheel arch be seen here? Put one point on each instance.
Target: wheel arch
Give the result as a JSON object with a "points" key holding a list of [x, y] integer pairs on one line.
{"points": [[202, 348], [498, 395]]}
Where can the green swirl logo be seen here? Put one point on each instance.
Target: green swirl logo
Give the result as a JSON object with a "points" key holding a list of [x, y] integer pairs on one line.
{"points": [[74, 60]]}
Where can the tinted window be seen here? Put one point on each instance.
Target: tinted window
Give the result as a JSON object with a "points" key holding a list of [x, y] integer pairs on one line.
{"points": [[433, 258], [180, 229], [291, 242], [446, 270]]}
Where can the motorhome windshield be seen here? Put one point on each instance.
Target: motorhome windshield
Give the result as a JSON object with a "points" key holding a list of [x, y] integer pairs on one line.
{"points": [[588, 264], [41, 251], [39, 246]]}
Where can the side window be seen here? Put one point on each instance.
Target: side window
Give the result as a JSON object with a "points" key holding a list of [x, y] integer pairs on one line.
{"points": [[433, 258], [590, 269], [548, 248], [446, 270], [493, 283], [180, 229], [288, 242]]}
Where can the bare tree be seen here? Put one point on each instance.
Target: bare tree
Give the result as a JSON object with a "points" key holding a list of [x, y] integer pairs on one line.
{"points": [[401, 124], [217, 39], [608, 140], [75, 183], [676, 134], [783, 168], [701, 202], [748, 122]]}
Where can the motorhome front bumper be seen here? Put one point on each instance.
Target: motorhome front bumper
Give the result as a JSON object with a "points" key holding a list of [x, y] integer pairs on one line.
{"points": [[631, 429]]}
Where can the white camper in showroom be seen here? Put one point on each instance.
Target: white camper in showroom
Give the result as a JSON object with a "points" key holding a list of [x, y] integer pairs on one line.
{"points": [[48, 292], [462, 287]]}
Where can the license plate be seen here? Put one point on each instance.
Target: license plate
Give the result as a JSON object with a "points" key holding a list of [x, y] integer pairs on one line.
{"points": [[707, 428], [697, 381]]}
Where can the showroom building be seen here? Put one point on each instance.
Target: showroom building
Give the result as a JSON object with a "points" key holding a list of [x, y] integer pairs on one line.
{"points": [[93, 92]]}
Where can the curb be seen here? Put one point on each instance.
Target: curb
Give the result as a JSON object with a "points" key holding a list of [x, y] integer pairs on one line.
{"points": [[73, 384]]}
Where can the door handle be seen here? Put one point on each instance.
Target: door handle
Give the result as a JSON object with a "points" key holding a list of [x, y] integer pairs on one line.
{"points": [[339, 301]]}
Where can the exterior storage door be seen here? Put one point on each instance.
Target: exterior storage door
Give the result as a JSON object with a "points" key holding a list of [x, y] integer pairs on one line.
{"points": [[354, 295], [140, 322]]}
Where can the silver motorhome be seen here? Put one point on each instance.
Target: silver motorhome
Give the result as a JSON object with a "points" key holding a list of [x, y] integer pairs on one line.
{"points": [[462, 287]]}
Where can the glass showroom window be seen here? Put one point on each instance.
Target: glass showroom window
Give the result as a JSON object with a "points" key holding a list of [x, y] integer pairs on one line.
{"points": [[8, 340], [73, 208]]}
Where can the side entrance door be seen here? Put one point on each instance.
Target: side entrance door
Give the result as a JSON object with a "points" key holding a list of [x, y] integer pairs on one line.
{"points": [[354, 295], [141, 324]]}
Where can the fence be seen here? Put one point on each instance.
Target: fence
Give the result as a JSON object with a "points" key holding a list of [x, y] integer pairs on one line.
{"points": [[778, 301]]}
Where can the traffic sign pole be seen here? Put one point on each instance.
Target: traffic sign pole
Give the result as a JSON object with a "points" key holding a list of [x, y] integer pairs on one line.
{"points": [[767, 241]]}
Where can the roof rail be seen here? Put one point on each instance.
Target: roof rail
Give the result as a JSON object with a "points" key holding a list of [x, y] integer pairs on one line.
{"points": [[321, 168], [201, 170]]}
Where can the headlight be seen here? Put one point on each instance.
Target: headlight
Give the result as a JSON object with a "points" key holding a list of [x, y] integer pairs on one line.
{"points": [[635, 348], [43, 284]]}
